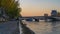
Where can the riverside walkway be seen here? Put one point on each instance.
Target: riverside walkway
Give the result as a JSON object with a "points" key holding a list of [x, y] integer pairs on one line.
{"points": [[9, 27], [14, 27]]}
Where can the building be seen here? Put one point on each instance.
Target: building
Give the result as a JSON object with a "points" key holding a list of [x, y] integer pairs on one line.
{"points": [[58, 14], [45, 15], [54, 13]]}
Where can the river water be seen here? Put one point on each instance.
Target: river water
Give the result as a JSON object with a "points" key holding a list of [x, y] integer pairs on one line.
{"points": [[43, 27]]}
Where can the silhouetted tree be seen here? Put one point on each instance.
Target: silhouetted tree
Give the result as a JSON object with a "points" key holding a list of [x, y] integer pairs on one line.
{"points": [[11, 7]]}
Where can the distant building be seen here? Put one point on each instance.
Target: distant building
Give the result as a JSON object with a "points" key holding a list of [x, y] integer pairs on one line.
{"points": [[54, 13], [45, 15], [58, 14]]}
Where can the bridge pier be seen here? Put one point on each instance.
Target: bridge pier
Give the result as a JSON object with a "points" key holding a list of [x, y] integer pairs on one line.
{"points": [[36, 20], [46, 19]]}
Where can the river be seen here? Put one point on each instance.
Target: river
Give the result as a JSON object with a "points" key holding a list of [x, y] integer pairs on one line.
{"points": [[43, 27]]}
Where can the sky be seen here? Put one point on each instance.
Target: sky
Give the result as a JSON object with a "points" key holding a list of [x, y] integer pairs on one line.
{"points": [[38, 7]]}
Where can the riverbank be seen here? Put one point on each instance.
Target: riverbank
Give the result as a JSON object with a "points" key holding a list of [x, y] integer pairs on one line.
{"points": [[26, 30]]}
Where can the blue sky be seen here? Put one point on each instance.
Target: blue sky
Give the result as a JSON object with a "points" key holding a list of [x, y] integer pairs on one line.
{"points": [[36, 7]]}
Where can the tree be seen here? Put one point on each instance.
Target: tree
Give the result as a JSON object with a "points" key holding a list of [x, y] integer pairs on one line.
{"points": [[11, 7]]}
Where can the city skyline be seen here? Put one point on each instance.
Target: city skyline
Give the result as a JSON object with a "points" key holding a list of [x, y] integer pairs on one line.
{"points": [[38, 7]]}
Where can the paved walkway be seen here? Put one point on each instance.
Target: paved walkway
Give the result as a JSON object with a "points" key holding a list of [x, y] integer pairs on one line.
{"points": [[20, 27], [9, 27]]}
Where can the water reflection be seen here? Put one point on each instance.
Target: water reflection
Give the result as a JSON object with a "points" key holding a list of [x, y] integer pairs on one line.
{"points": [[44, 27]]}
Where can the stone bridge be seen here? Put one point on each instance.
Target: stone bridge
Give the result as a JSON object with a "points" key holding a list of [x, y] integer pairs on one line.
{"points": [[37, 18]]}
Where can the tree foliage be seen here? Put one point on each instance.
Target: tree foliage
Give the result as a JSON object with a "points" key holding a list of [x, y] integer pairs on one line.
{"points": [[11, 7]]}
